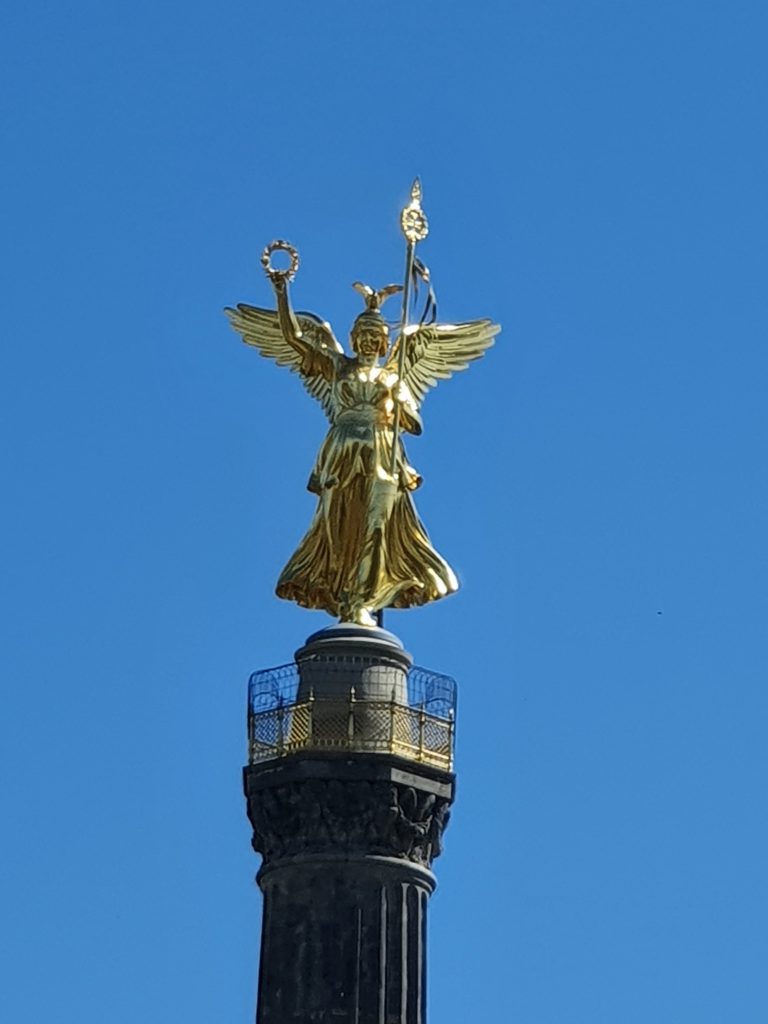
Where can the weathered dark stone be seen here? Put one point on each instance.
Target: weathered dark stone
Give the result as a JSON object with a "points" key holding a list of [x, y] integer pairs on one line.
{"points": [[347, 843], [340, 658]]}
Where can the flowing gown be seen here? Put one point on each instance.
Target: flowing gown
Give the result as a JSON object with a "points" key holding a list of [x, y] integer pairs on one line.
{"points": [[366, 548]]}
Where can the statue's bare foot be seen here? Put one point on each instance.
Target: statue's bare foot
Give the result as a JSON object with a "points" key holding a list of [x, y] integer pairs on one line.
{"points": [[363, 617]]}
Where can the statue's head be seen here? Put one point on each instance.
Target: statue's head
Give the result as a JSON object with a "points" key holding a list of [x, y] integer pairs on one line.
{"points": [[370, 334]]}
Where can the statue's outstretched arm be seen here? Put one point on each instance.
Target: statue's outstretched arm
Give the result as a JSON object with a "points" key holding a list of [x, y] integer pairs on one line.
{"points": [[289, 325], [301, 341]]}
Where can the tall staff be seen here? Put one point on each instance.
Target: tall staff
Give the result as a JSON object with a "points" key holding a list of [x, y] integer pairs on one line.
{"points": [[413, 223]]}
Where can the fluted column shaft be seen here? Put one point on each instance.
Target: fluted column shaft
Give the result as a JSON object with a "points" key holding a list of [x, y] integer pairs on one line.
{"points": [[347, 843], [343, 945]]}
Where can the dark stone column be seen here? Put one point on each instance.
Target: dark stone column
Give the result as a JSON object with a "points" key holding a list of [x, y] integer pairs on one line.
{"points": [[347, 841]]}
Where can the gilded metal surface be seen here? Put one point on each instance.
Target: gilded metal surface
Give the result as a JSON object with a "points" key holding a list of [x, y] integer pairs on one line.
{"points": [[413, 220], [275, 272], [366, 548]]}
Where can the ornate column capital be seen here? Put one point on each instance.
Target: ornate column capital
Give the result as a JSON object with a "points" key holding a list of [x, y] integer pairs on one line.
{"points": [[348, 806]]}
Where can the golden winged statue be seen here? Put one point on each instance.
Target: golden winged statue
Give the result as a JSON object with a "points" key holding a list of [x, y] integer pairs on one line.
{"points": [[366, 548]]}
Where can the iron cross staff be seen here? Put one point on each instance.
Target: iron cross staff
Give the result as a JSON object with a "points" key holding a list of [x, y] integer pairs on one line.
{"points": [[413, 223]]}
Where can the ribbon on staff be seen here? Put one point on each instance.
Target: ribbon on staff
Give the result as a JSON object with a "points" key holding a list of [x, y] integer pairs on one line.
{"points": [[420, 275]]}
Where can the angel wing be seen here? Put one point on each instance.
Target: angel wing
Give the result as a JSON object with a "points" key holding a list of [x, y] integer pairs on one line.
{"points": [[435, 352], [261, 328]]}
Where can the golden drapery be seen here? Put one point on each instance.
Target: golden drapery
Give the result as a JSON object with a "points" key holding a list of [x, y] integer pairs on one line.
{"points": [[366, 548]]}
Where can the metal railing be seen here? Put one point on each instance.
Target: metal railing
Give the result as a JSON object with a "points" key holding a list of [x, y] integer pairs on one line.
{"points": [[281, 722]]}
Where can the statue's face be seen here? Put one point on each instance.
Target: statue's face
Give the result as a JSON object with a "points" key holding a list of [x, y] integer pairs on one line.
{"points": [[369, 342]]}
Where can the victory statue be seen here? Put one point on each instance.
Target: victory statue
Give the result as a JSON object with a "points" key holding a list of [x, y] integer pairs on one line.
{"points": [[366, 548]]}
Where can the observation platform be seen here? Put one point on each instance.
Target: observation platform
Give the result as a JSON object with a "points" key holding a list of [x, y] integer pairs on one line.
{"points": [[352, 690]]}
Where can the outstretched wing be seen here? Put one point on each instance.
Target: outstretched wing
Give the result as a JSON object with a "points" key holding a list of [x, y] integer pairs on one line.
{"points": [[435, 352], [261, 328]]}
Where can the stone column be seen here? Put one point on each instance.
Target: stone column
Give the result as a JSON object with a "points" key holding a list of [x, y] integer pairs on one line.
{"points": [[347, 841]]}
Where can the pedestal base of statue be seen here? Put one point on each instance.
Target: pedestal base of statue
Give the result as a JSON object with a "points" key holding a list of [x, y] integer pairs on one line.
{"points": [[348, 839]]}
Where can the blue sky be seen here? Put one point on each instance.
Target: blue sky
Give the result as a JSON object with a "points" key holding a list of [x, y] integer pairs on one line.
{"points": [[595, 176]]}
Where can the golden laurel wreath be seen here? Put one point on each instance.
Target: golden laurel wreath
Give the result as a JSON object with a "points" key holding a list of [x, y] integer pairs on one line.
{"points": [[276, 273]]}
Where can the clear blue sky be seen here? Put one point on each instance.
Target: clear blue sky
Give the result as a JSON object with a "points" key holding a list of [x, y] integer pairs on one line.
{"points": [[595, 174]]}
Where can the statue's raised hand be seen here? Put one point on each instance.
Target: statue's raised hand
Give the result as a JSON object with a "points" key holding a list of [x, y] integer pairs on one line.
{"points": [[280, 276]]}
